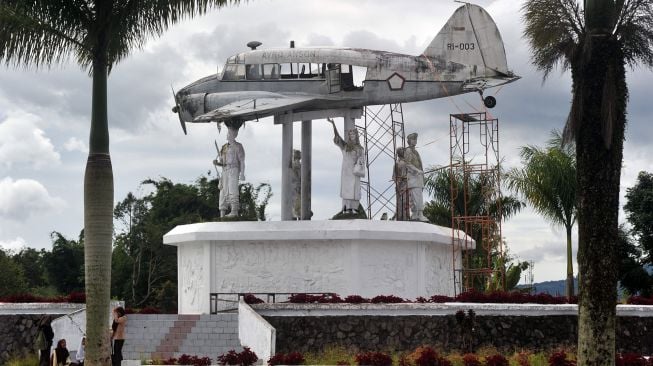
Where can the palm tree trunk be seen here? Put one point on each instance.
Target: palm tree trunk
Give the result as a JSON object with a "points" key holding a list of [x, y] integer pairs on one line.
{"points": [[570, 266], [98, 224], [599, 169]]}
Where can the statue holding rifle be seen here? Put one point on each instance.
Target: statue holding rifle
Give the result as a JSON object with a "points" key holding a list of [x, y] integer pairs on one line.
{"points": [[231, 158]]}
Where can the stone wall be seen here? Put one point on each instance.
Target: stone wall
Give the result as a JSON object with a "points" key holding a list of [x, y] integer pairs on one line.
{"points": [[18, 333], [403, 327], [403, 333]]}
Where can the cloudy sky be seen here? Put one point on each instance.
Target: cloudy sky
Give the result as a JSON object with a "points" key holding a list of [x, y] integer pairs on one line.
{"points": [[44, 115]]}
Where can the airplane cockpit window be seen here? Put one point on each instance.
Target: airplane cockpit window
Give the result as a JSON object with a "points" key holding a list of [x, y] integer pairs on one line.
{"points": [[253, 72], [234, 72], [302, 70], [271, 71]]}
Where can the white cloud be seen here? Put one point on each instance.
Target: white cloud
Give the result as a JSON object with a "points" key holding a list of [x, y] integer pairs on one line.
{"points": [[13, 245], [22, 142], [23, 198], [75, 144]]}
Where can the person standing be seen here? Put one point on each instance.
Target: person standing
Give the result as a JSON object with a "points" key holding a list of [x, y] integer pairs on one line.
{"points": [[415, 179], [60, 356], [118, 334], [232, 161], [81, 352], [43, 342], [353, 168]]}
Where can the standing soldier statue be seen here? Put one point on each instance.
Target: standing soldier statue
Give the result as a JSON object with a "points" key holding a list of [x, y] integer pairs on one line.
{"points": [[415, 179], [399, 175], [232, 161]]}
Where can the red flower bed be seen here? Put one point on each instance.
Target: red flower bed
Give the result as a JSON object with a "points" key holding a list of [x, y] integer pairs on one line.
{"points": [[293, 358], [73, 297], [496, 360], [640, 300], [373, 359], [560, 359], [244, 358]]}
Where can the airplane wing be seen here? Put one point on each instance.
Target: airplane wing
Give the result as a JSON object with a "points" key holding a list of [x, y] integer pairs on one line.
{"points": [[253, 108]]}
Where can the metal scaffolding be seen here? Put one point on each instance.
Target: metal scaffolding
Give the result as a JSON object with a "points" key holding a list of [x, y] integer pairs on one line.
{"points": [[474, 173], [383, 132]]}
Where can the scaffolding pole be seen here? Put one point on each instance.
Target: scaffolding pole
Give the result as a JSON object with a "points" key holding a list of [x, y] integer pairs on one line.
{"points": [[476, 213], [383, 132]]}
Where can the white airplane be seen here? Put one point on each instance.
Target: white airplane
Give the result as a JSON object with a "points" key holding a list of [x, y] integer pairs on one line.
{"points": [[466, 56]]}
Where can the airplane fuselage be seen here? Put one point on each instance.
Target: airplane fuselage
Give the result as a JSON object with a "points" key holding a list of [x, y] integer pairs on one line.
{"points": [[467, 55], [388, 78]]}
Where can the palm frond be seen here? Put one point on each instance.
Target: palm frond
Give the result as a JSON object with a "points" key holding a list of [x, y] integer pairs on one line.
{"points": [[553, 29], [635, 32], [135, 21], [548, 180], [40, 32]]}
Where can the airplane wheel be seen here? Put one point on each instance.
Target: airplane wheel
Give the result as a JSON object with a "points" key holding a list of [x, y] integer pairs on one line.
{"points": [[490, 101]]}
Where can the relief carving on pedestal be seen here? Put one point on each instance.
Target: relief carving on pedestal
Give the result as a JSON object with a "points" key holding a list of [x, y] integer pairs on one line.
{"points": [[193, 275]]}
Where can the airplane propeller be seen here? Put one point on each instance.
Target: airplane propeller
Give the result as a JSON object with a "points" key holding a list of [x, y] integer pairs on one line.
{"points": [[177, 109]]}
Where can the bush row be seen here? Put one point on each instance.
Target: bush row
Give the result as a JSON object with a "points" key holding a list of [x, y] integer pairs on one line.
{"points": [[498, 297], [421, 356], [73, 297]]}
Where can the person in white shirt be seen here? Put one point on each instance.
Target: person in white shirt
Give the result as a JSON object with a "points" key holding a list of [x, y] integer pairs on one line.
{"points": [[81, 352]]}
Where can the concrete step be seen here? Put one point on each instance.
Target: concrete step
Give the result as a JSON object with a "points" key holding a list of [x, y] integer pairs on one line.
{"points": [[164, 336]]}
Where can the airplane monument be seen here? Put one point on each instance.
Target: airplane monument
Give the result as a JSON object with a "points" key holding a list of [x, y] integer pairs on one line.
{"points": [[404, 258]]}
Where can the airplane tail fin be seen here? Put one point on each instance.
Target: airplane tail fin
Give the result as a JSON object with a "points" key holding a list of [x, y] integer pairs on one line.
{"points": [[470, 37]]}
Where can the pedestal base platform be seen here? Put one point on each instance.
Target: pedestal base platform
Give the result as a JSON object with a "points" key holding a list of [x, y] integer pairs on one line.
{"points": [[347, 257]]}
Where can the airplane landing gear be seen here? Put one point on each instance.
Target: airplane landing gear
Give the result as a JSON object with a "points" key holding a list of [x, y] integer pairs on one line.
{"points": [[490, 101]]}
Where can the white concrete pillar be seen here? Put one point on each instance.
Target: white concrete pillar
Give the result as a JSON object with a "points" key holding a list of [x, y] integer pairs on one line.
{"points": [[286, 171], [307, 146], [350, 124]]}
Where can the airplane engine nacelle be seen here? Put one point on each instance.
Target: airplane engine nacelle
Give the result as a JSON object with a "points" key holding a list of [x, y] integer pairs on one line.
{"points": [[192, 105]]}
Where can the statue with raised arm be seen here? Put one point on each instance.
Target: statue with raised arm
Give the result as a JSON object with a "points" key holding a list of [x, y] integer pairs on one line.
{"points": [[414, 179], [352, 169], [232, 161]]}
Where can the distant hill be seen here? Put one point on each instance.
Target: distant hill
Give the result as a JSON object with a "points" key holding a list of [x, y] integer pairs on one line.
{"points": [[555, 288]]}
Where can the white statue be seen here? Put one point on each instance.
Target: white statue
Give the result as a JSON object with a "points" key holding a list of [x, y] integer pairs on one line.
{"points": [[399, 175], [353, 168], [296, 180], [232, 161], [415, 179]]}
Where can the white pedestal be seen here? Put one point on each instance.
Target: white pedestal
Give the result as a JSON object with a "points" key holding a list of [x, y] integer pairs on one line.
{"points": [[347, 257]]}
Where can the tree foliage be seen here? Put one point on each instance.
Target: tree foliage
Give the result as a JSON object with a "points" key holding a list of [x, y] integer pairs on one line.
{"points": [[65, 263], [636, 244], [639, 212], [12, 276], [633, 277], [32, 262]]}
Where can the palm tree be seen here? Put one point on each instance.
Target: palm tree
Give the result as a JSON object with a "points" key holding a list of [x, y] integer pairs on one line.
{"points": [[548, 182], [438, 210], [482, 200], [596, 42], [98, 34]]}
